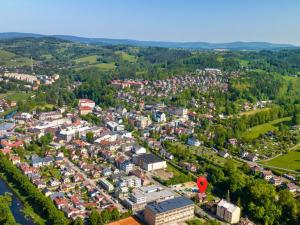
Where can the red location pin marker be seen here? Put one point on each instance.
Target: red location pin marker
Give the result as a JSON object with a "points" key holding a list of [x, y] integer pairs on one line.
{"points": [[202, 184]]}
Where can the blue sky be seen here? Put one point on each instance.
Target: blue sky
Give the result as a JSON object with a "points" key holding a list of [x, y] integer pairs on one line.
{"points": [[275, 21]]}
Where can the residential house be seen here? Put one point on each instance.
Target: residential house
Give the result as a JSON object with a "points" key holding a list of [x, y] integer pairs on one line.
{"points": [[192, 141], [159, 116]]}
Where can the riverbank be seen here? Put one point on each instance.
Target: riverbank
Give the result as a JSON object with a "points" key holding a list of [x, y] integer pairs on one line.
{"points": [[27, 209]]}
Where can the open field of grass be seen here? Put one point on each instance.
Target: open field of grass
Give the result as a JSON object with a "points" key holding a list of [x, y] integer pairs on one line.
{"points": [[126, 57], [101, 66], [105, 66], [251, 112], [87, 59], [291, 160], [10, 59], [16, 96], [256, 131], [243, 62]]}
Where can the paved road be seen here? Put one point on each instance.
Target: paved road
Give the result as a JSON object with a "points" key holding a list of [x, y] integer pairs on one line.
{"points": [[267, 166], [280, 168], [94, 184]]}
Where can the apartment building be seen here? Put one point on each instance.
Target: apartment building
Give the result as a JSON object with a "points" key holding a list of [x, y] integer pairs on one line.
{"points": [[106, 184], [129, 181], [169, 211], [228, 212]]}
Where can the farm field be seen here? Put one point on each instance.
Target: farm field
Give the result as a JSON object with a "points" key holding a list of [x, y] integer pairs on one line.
{"points": [[291, 160], [254, 132]]}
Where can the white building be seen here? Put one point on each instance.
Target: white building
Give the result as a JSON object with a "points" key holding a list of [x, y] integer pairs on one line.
{"points": [[129, 181], [112, 125], [159, 116], [192, 141], [150, 162], [228, 212], [137, 149], [106, 184]]}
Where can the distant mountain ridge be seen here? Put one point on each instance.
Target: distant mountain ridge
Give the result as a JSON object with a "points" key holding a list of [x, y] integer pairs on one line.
{"points": [[164, 44]]}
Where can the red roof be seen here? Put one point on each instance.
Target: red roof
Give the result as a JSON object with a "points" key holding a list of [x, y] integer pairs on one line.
{"points": [[85, 108], [6, 143], [75, 199], [60, 201], [79, 142], [6, 151], [85, 100]]}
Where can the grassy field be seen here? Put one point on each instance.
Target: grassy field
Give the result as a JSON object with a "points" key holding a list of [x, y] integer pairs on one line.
{"points": [[291, 160], [10, 59], [87, 59], [254, 132], [101, 66], [251, 112], [126, 57], [243, 62], [105, 66], [16, 96]]}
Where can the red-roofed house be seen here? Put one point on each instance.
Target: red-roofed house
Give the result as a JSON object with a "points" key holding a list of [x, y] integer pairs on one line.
{"points": [[60, 202], [6, 151], [86, 103], [15, 159], [9, 144]]}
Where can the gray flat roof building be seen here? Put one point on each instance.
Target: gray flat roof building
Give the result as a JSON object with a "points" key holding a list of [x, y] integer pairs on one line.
{"points": [[169, 205], [169, 211]]}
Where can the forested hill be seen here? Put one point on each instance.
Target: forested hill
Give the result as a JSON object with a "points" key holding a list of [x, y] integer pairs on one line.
{"points": [[164, 44]]}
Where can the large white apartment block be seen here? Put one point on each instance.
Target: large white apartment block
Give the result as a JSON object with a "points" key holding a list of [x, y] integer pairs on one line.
{"points": [[228, 212]]}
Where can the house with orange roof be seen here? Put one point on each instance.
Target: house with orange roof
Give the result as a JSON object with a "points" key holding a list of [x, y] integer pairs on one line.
{"points": [[60, 202]]}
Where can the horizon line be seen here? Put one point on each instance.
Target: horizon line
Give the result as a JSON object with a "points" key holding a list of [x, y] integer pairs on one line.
{"points": [[140, 40]]}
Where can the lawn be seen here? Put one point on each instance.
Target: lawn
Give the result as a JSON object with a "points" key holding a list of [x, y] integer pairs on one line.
{"points": [[291, 161], [256, 131]]}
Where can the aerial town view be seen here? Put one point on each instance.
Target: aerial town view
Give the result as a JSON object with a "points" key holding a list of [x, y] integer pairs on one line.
{"points": [[112, 114]]}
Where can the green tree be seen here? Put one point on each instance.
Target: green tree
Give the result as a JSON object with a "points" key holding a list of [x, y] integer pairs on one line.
{"points": [[290, 210], [90, 137], [220, 135], [115, 214], [77, 221], [106, 216], [95, 218]]}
